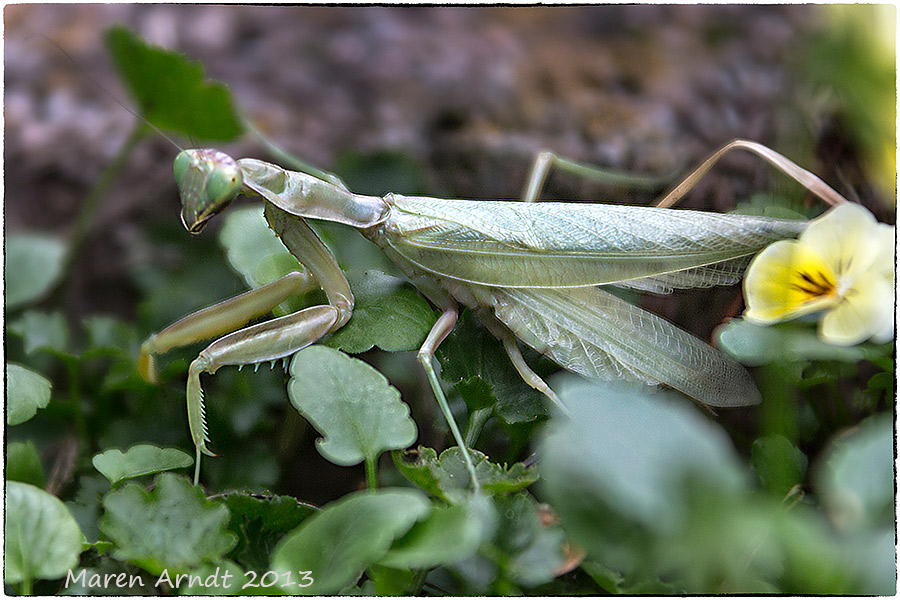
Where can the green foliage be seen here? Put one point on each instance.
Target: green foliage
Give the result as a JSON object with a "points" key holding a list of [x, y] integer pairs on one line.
{"points": [[348, 535], [638, 492], [42, 540], [447, 478], [170, 90], [686, 489], [789, 342], [477, 366], [252, 249], [26, 392], [388, 313], [34, 263], [260, 522], [171, 527], [23, 464], [448, 535], [139, 460], [354, 407]]}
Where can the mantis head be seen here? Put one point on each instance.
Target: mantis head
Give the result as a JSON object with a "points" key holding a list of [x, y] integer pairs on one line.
{"points": [[208, 180]]}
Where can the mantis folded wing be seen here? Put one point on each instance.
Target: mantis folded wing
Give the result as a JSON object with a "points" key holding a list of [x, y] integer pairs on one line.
{"points": [[532, 270]]}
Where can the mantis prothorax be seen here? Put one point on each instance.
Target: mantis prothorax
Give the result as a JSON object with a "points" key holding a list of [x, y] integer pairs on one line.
{"points": [[533, 271]]}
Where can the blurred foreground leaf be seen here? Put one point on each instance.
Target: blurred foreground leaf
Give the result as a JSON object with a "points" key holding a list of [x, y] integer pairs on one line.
{"points": [[26, 392], [42, 540], [350, 534], [756, 345], [34, 263]]}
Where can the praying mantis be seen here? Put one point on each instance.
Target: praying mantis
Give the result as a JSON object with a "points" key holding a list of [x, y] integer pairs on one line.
{"points": [[533, 271]]}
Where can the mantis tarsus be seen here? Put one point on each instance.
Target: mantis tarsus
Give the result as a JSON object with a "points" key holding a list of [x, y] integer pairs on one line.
{"points": [[532, 270]]}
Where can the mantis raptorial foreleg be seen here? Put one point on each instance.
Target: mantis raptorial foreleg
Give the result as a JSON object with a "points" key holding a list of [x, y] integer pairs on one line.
{"points": [[220, 319], [267, 341]]}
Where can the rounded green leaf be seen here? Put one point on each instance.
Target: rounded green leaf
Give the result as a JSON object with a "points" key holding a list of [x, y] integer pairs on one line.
{"points": [[23, 463], [388, 313], [172, 527], [252, 249], [34, 262], [629, 448], [43, 540], [335, 545], [449, 534], [139, 460], [856, 477], [756, 345], [26, 391], [351, 404]]}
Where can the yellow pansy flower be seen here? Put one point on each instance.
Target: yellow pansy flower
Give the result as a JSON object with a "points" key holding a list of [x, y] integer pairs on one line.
{"points": [[842, 265]]}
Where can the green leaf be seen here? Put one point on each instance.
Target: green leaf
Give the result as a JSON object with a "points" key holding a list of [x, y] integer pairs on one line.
{"points": [[388, 313], [449, 534], [110, 336], [42, 332], [172, 527], [34, 263], [252, 249], [628, 449], [26, 391], [260, 522], [470, 353], [856, 476], [351, 404], [447, 477], [170, 90], [23, 464], [779, 464], [86, 505], [224, 578], [787, 342], [337, 544], [43, 541], [388, 581], [533, 552], [139, 460]]}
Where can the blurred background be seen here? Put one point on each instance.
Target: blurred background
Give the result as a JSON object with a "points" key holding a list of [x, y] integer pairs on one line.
{"points": [[465, 96]]}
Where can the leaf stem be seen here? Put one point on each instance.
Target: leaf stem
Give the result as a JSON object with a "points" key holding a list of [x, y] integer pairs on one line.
{"points": [[371, 475], [91, 204]]}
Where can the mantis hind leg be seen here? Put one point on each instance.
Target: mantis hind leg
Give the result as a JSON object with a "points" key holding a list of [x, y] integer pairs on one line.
{"points": [[545, 161]]}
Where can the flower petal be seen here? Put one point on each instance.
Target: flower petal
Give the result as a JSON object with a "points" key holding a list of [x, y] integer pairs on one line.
{"points": [[887, 242], [786, 280], [848, 239], [867, 310]]}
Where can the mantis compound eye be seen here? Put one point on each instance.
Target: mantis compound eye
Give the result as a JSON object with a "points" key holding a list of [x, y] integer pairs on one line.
{"points": [[208, 181], [223, 185]]}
